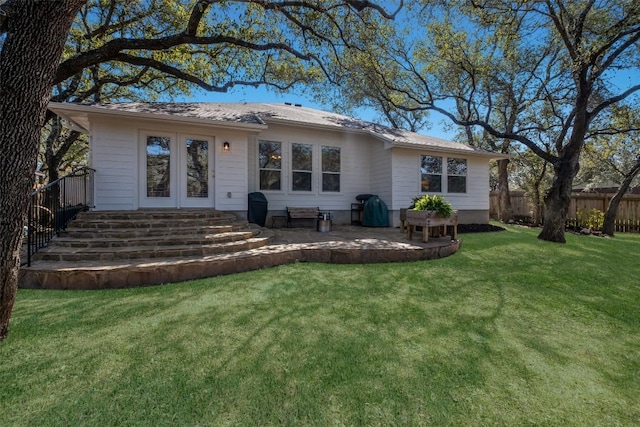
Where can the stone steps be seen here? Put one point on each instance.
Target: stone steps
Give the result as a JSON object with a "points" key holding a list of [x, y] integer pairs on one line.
{"points": [[123, 241], [147, 223], [150, 234], [124, 233], [152, 219], [103, 241], [68, 254], [149, 214], [110, 274]]}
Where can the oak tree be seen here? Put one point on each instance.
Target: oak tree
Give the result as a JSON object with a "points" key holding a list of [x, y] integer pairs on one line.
{"points": [[213, 44], [612, 157], [537, 73]]}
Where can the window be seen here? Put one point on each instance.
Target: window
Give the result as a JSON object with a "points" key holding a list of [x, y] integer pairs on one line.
{"points": [[301, 167], [270, 165], [197, 168], [456, 175], [331, 169], [431, 174], [158, 166]]}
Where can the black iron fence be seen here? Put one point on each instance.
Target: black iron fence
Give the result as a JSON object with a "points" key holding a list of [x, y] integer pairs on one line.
{"points": [[53, 206]]}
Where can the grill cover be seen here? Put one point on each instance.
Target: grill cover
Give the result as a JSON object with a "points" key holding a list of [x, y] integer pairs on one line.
{"points": [[375, 213]]}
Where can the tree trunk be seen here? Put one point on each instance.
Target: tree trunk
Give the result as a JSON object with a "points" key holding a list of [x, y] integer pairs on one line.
{"points": [[51, 160], [52, 164], [35, 35], [608, 227], [558, 198], [538, 213], [566, 167], [504, 197]]}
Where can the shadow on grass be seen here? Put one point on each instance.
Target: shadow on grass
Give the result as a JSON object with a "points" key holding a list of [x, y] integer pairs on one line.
{"points": [[510, 330]]}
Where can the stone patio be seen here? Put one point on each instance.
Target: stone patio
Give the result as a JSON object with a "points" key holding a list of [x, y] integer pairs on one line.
{"points": [[342, 245]]}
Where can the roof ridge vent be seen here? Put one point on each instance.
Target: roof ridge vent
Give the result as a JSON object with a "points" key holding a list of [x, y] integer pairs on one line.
{"points": [[287, 103], [298, 105]]}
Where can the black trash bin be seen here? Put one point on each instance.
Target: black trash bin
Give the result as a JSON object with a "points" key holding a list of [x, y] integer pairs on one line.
{"points": [[257, 212]]}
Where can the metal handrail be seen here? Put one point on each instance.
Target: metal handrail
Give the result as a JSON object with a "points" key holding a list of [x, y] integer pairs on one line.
{"points": [[53, 206]]}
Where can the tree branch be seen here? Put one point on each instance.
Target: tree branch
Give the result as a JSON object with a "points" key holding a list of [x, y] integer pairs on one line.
{"points": [[6, 9], [113, 49], [492, 131], [613, 100], [196, 16], [608, 62], [188, 36], [361, 5], [179, 74], [108, 27]]}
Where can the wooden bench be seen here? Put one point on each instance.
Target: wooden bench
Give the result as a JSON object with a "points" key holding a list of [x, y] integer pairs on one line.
{"points": [[302, 213]]}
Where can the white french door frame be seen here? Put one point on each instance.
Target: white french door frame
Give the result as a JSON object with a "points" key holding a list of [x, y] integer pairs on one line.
{"points": [[177, 197], [195, 202]]}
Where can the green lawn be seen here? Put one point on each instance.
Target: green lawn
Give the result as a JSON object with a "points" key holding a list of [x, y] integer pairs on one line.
{"points": [[509, 331]]}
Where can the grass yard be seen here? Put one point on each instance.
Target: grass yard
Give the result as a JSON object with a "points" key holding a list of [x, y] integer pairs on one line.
{"points": [[509, 331]]}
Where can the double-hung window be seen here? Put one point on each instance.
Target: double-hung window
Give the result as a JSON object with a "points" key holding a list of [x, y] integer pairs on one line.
{"points": [[330, 169], [431, 174], [301, 167], [456, 175], [270, 165]]}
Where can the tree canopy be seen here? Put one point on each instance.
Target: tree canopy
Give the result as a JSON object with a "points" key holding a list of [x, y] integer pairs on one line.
{"points": [[214, 44], [612, 158], [537, 73], [168, 47]]}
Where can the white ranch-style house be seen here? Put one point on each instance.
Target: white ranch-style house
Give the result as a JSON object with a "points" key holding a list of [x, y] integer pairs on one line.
{"points": [[212, 155]]}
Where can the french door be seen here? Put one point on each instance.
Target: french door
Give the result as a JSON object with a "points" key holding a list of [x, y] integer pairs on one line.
{"points": [[176, 170]]}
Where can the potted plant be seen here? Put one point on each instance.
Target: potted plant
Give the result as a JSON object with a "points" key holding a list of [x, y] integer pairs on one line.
{"points": [[430, 211], [433, 203]]}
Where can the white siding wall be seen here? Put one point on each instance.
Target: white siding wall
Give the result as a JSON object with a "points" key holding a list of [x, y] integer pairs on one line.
{"points": [[355, 168], [115, 154], [406, 180], [366, 167], [381, 176], [252, 163], [231, 172]]}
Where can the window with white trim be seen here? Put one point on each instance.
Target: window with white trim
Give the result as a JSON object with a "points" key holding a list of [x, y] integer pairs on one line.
{"points": [[270, 165], [430, 174], [158, 158], [456, 175], [330, 169], [301, 167]]}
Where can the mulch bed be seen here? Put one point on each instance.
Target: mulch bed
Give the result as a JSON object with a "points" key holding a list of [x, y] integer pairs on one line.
{"points": [[478, 228]]}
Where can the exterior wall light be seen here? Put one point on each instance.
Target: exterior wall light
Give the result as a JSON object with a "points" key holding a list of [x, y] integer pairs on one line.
{"points": [[226, 147]]}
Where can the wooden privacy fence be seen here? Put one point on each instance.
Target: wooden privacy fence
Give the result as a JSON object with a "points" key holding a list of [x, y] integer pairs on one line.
{"points": [[627, 218]]}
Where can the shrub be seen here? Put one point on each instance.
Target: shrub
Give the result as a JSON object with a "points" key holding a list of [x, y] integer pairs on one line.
{"points": [[432, 203], [590, 218]]}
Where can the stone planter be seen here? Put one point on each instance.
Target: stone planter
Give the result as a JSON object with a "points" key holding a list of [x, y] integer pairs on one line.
{"points": [[429, 219]]}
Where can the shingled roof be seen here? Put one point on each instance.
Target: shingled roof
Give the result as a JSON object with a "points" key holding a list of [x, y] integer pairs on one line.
{"points": [[262, 114]]}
